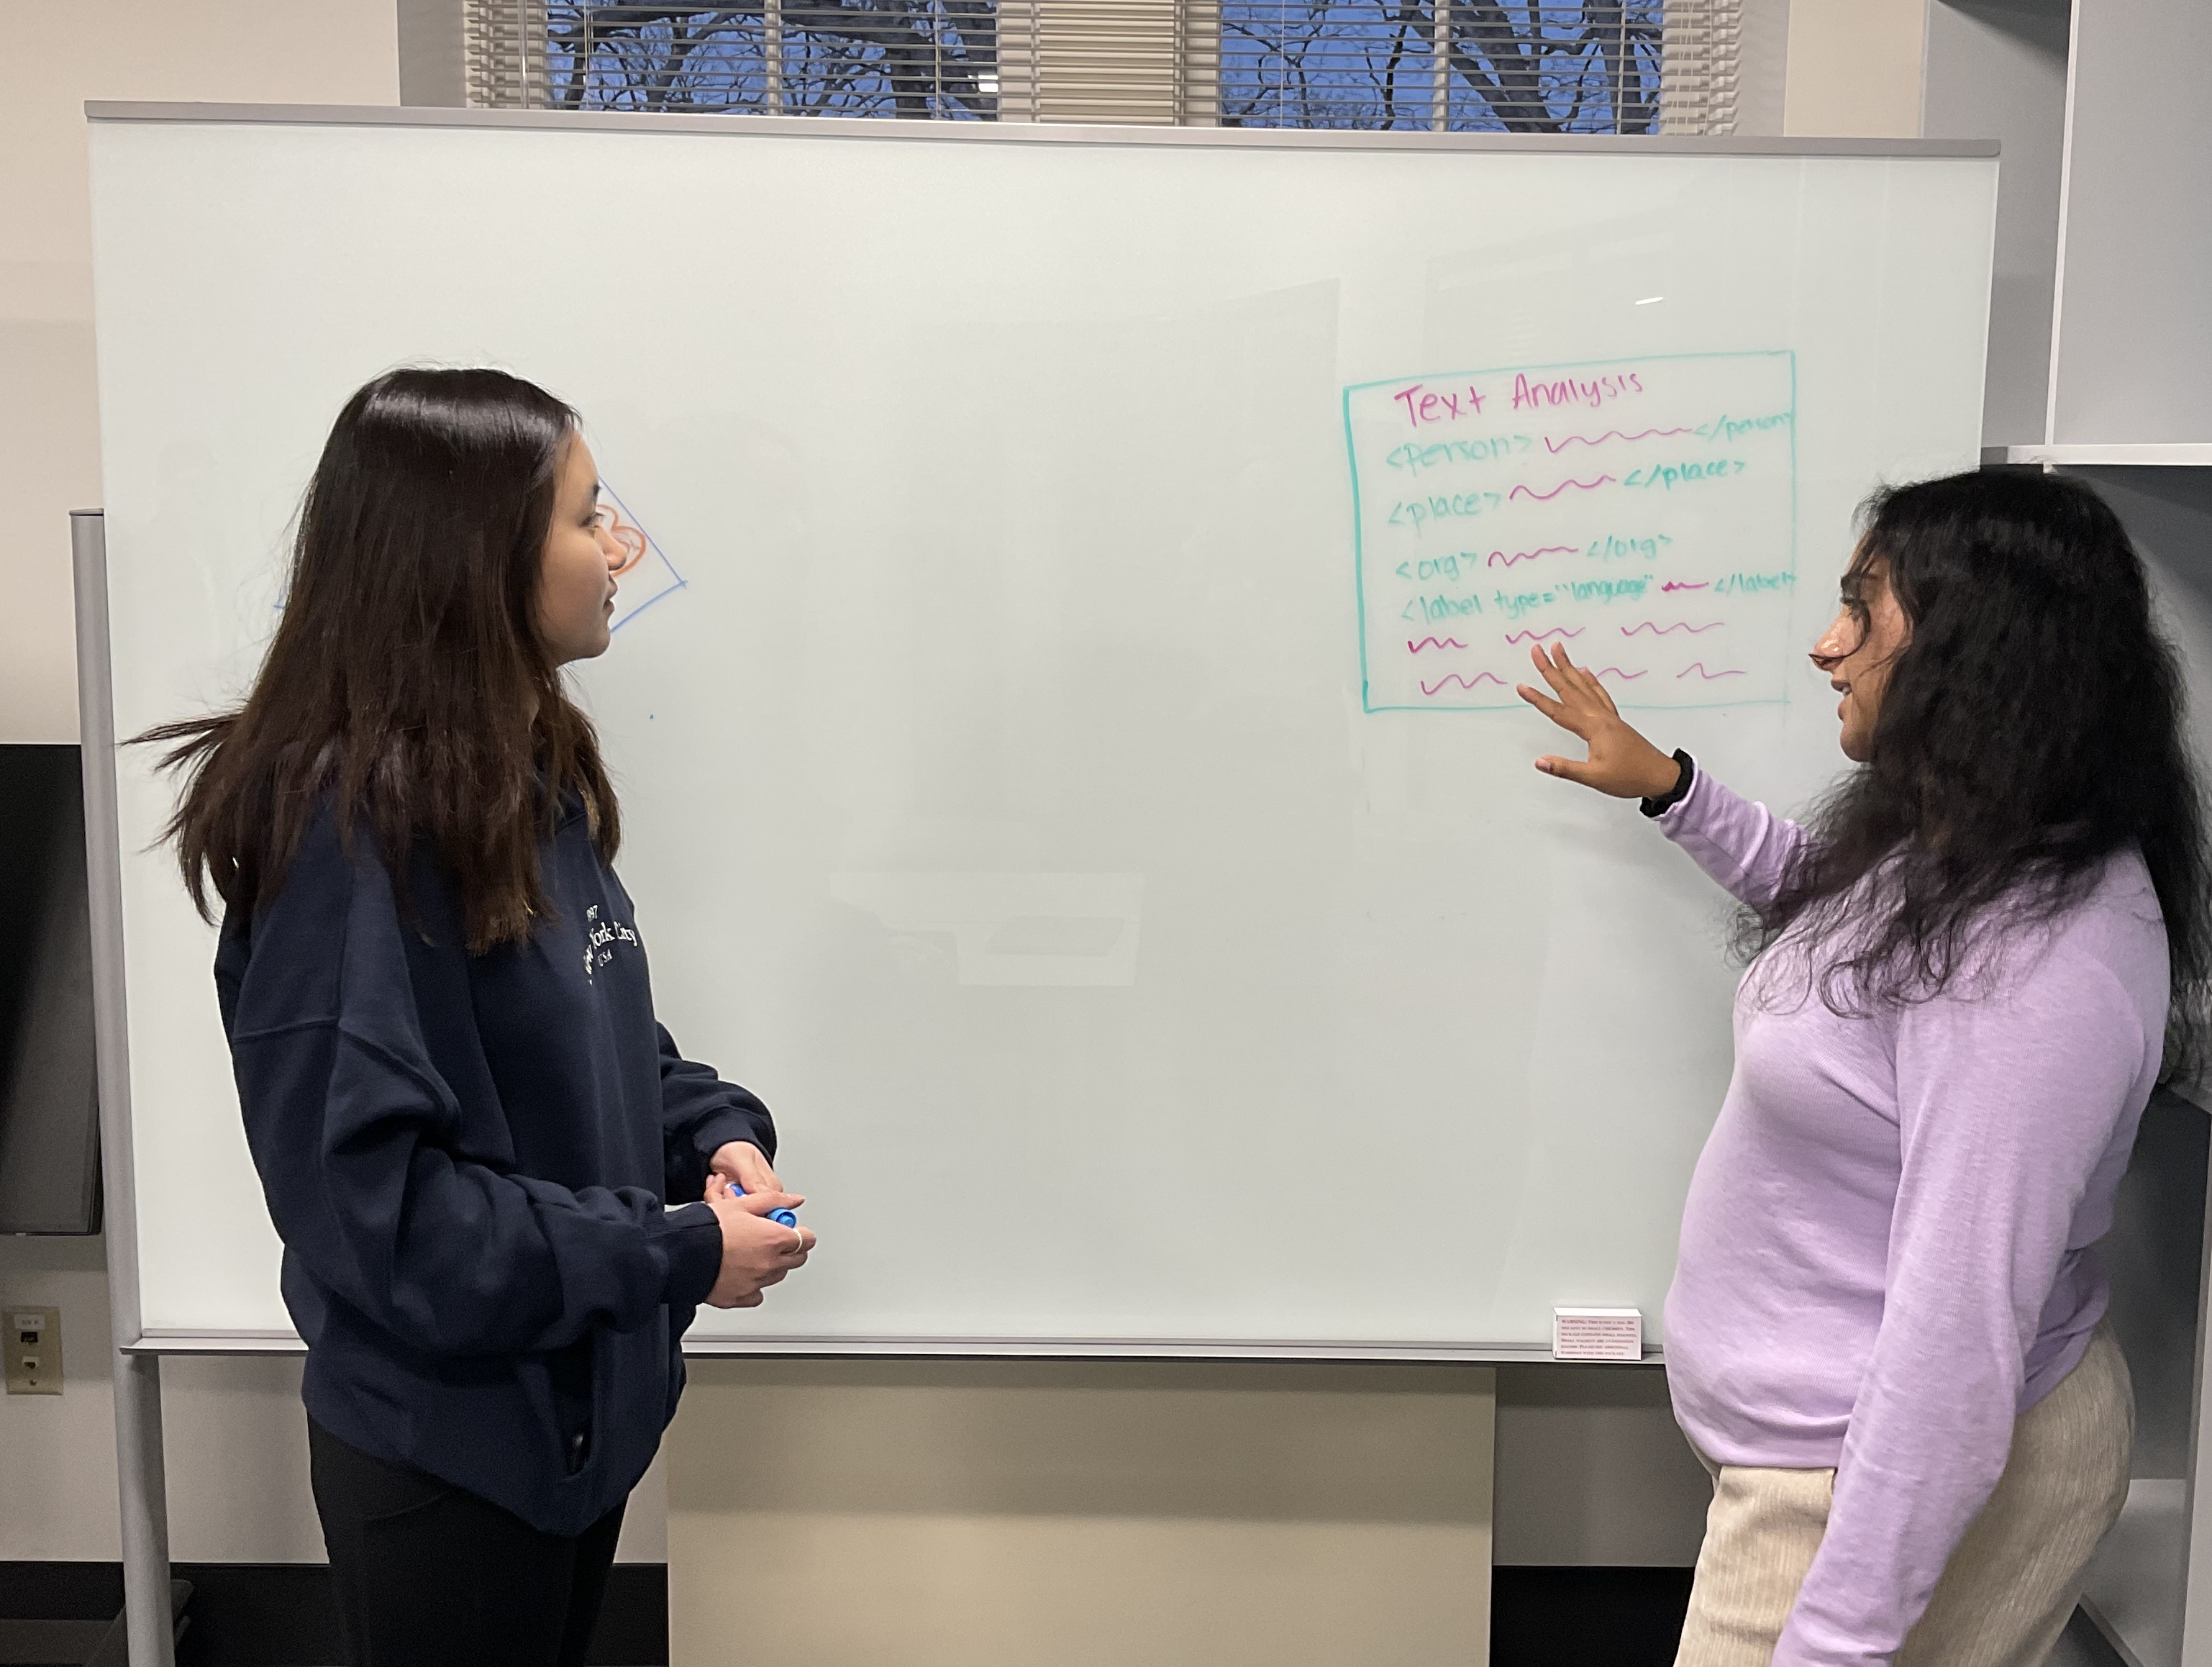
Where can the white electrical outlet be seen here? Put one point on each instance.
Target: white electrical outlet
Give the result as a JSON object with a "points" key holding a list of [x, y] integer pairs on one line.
{"points": [[33, 1349]]}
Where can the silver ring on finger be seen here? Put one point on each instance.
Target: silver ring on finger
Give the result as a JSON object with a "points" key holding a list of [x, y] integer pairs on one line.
{"points": [[799, 1241]]}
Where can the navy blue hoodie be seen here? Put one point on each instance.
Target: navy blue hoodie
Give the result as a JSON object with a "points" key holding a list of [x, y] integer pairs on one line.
{"points": [[469, 1159]]}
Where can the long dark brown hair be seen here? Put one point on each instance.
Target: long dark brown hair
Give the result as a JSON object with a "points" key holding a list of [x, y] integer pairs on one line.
{"points": [[2033, 725], [408, 685]]}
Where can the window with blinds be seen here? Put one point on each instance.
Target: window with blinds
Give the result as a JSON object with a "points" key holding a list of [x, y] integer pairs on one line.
{"points": [[1463, 67], [915, 58], [1602, 66]]}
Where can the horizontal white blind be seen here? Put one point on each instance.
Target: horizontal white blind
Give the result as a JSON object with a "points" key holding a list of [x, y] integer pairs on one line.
{"points": [[1701, 55], [506, 42], [1143, 62], [1600, 66]]}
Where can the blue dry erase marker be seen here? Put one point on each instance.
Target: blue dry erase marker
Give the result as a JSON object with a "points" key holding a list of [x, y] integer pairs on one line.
{"points": [[781, 1218]]}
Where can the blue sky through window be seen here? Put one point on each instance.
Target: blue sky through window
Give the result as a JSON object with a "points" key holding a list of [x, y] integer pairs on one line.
{"points": [[1372, 63]]}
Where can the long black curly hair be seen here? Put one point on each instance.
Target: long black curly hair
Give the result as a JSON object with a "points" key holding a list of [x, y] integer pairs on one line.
{"points": [[2031, 726]]}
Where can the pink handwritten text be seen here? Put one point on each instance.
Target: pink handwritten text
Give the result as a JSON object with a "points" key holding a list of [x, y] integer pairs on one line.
{"points": [[1546, 497], [1610, 434], [1573, 391], [1454, 677], [1423, 406]]}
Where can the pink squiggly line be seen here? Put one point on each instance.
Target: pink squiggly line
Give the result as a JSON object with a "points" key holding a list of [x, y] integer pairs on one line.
{"points": [[1699, 666], [1676, 584], [1657, 629], [1538, 636], [1413, 647], [1498, 556], [1454, 677], [1615, 672], [1546, 497], [1610, 434]]}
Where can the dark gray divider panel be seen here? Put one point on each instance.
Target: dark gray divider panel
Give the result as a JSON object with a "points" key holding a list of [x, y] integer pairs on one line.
{"points": [[1997, 68], [2132, 360], [2157, 1245], [49, 1089], [2155, 1253]]}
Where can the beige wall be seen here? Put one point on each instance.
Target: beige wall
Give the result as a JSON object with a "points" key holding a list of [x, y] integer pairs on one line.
{"points": [[306, 51], [1006, 1513], [237, 1443], [1590, 1468], [1854, 69], [236, 1436], [57, 1453]]}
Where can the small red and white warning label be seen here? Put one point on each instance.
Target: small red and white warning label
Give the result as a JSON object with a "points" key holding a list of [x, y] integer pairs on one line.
{"points": [[1597, 1333]]}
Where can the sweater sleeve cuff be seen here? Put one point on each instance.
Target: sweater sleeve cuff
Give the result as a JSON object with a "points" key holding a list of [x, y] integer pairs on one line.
{"points": [[723, 1126], [1685, 783], [1692, 811], [694, 1255]]}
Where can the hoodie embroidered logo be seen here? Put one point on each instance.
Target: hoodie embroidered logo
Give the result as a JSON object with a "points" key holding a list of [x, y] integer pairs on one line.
{"points": [[600, 937]]}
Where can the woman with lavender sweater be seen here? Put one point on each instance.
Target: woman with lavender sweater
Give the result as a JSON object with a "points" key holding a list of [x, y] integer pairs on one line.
{"points": [[1886, 1336]]}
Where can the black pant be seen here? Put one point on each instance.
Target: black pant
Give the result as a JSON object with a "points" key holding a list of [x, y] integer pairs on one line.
{"points": [[427, 1575]]}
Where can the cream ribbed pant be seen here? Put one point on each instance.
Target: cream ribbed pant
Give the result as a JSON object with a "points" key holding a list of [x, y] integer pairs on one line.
{"points": [[2008, 1589]]}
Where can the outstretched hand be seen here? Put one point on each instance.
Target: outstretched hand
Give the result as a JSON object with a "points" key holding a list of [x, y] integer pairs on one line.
{"points": [[1621, 762]]}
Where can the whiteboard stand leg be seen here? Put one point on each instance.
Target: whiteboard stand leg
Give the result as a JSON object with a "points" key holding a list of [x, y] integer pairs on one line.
{"points": [[141, 1486], [142, 1492]]}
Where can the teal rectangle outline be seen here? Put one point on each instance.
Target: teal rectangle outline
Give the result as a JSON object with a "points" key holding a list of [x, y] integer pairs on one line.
{"points": [[1359, 541]]}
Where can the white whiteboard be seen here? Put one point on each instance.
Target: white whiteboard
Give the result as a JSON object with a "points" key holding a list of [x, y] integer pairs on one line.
{"points": [[1019, 786]]}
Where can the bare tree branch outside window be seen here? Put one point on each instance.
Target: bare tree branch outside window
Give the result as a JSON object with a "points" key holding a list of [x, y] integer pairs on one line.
{"points": [[913, 59], [1587, 68]]}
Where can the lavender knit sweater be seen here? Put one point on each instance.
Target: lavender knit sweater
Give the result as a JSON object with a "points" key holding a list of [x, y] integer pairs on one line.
{"points": [[1886, 1249]]}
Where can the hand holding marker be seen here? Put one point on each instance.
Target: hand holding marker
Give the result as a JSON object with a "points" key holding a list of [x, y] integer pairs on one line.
{"points": [[781, 1218], [727, 1173], [762, 1243]]}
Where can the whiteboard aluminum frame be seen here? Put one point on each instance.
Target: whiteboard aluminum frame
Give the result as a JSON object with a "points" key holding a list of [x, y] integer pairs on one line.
{"points": [[1018, 132], [103, 851], [772, 1348]]}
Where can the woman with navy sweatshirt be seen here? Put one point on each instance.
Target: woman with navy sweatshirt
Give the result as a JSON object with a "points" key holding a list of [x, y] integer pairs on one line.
{"points": [[1886, 1336], [469, 1127]]}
